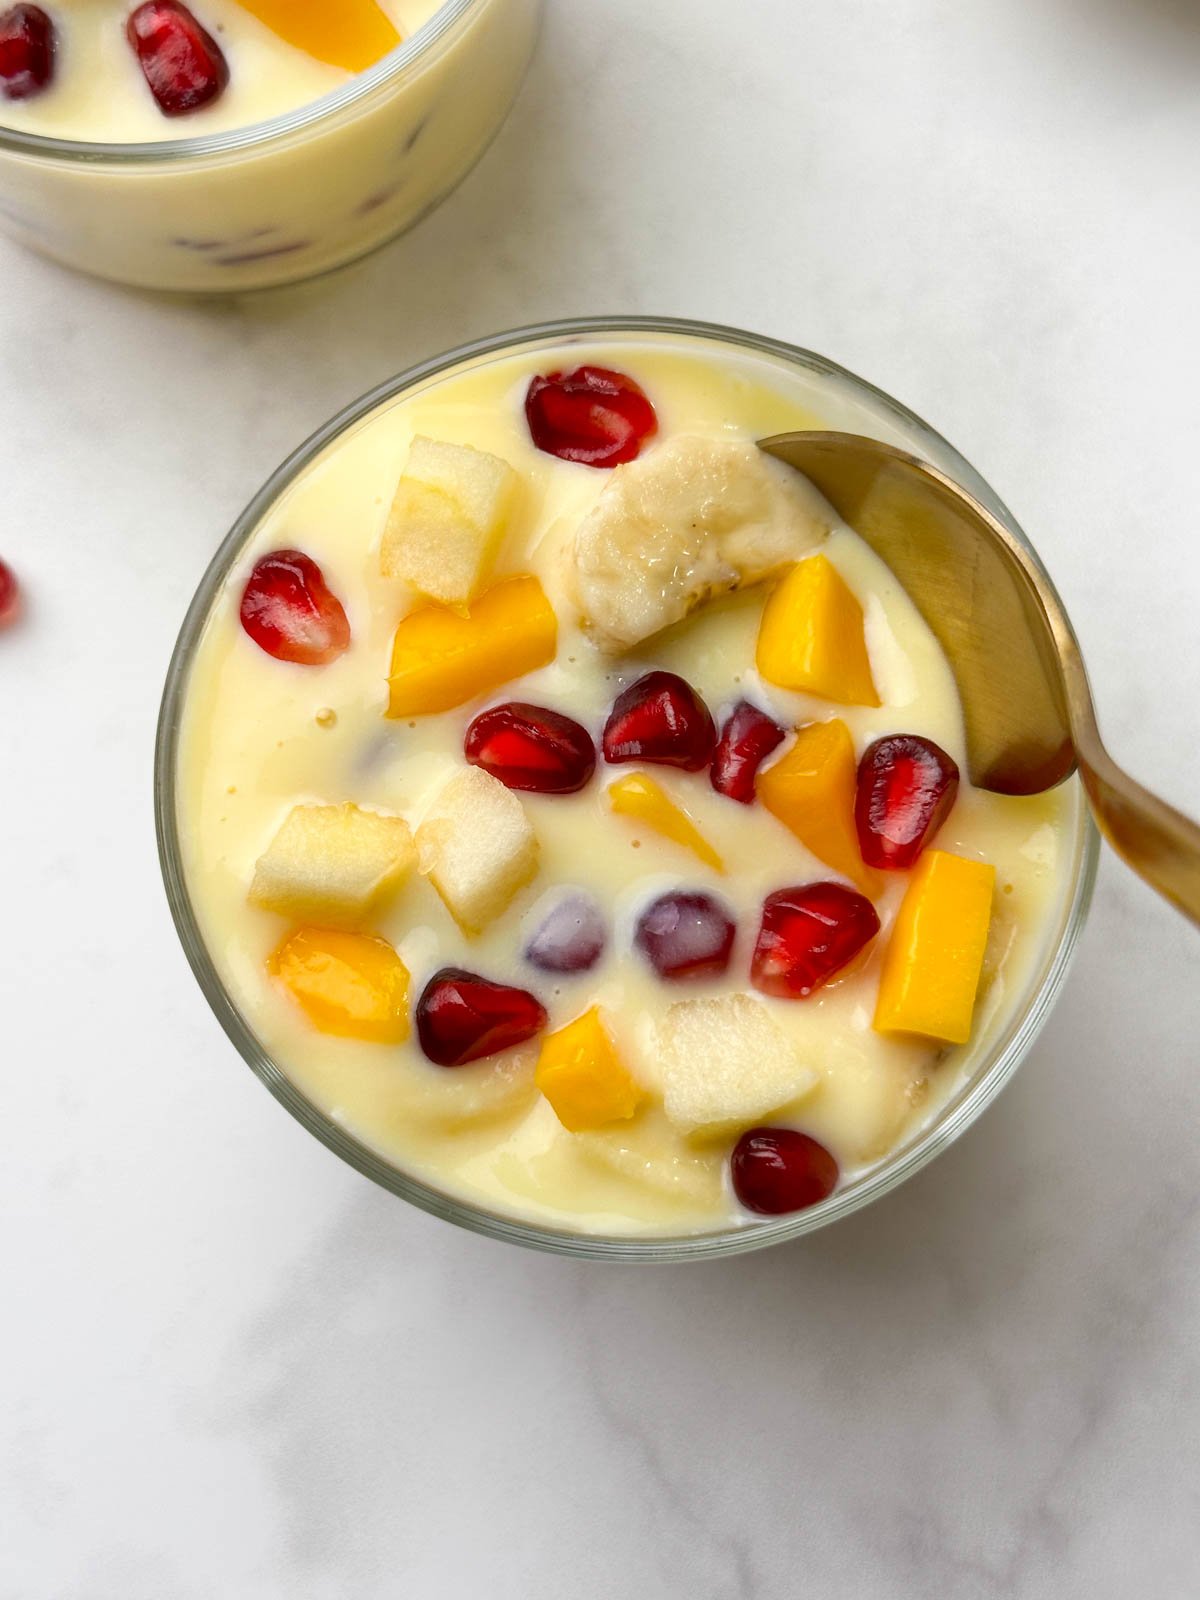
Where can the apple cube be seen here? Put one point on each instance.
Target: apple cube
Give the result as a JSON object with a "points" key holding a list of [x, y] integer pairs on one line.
{"points": [[725, 1063], [333, 865], [448, 516], [477, 847]]}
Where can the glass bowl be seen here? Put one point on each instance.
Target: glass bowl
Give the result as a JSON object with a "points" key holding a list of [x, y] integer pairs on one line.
{"points": [[284, 199], [842, 401]]}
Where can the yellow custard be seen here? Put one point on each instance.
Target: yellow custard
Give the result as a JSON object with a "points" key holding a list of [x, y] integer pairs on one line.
{"points": [[260, 737]]}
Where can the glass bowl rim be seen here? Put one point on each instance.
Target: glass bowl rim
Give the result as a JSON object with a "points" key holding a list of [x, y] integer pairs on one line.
{"points": [[964, 1108], [394, 66]]}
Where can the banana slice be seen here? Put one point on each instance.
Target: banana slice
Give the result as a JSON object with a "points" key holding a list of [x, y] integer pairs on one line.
{"points": [[691, 520]]}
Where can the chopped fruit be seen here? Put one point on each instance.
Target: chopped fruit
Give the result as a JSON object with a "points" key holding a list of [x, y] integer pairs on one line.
{"points": [[462, 1017], [646, 1154], [811, 637], [571, 938], [448, 516], [449, 1102], [639, 797], [27, 49], [180, 60], [290, 612], [726, 1062], [584, 1079], [777, 1170], [593, 416], [530, 747], [353, 34], [477, 847], [441, 658], [746, 741], [808, 935], [906, 789], [350, 984], [660, 719], [10, 594], [332, 864], [694, 519], [686, 935], [935, 954], [811, 790]]}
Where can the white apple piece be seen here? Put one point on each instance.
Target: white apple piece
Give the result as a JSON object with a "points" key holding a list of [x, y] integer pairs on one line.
{"points": [[477, 846], [333, 865], [448, 516], [725, 1063]]}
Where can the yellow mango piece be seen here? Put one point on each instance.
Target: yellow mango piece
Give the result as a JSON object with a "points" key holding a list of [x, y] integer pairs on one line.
{"points": [[811, 636], [441, 657], [639, 797], [811, 790], [350, 984], [935, 954], [583, 1078], [352, 34]]}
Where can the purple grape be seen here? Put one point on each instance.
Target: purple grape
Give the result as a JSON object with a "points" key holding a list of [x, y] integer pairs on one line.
{"points": [[571, 938]]}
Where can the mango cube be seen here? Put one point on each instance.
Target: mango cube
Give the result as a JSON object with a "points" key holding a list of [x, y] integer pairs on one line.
{"points": [[726, 1062], [350, 984], [440, 658], [352, 34], [639, 797], [333, 865], [478, 847], [811, 636], [448, 516], [583, 1078], [811, 790], [935, 955]]}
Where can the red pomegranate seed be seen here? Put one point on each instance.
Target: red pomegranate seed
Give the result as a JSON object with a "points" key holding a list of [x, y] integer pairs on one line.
{"points": [[746, 741], [180, 60], [593, 416], [776, 1170], [571, 938], [660, 719], [289, 611], [530, 747], [686, 935], [906, 789], [27, 48], [808, 935], [10, 594], [462, 1017]]}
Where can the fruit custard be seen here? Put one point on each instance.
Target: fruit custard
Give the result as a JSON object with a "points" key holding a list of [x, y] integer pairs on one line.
{"points": [[576, 811], [121, 74]]}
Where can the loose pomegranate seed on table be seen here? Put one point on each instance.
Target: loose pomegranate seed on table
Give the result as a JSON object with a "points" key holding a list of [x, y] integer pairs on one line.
{"points": [[747, 739], [462, 1017], [777, 1170], [591, 415], [530, 747], [27, 49], [686, 935], [10, 594], [808, 934], [571, 938], [290, 612], [180, 60], [660, 719], [907, 786]]}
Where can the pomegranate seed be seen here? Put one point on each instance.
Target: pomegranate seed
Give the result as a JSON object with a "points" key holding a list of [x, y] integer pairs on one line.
{"points": [[746, 741], [660, 719], [462, 1017], [776, 1170], [10, 594], [530, 747], [906, 789], [289, 611], [571, 938], [27, 47], [593, 416], [808, 935], [686, 935], [180, 60]]}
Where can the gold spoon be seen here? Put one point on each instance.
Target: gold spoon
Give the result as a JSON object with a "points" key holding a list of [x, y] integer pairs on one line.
{"points": [[1030, 720]]}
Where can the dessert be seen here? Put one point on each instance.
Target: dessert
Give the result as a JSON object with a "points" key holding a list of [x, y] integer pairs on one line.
{"points": [[577, 812], [392, 101]]}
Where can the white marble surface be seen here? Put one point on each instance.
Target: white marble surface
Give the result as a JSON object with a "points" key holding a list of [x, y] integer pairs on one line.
{"points": [[233, 1367]]}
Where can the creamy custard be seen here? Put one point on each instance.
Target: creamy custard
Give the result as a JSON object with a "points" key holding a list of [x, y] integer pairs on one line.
{"points": [[260, 736]]}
